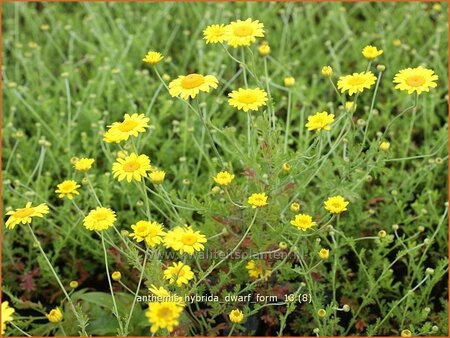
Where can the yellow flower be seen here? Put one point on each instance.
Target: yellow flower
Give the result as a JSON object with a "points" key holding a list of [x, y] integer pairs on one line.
{"points": [[166, 295], [384, 146], [163, 315], [151, 232], [257, 200], [153, 57], [131, 125], [99, 219], [7, 312], [157, 176], [320, 121], [264, 49], [185, 240], [382, 233], [417, 80], [243, 33], [336, 204], [295, 207], [289, 81], [286, 167], [116, 275], [83, 164], [223, 178], [350, 106], [55, 315], [356, 83], [247, 99], [258, 269], [131, 167], [192, 84], [73, 284], [25, 215], [327, 71], [321, 313], [67, 188], [303, 222], [371, 52], [214, 34], [236, 316], [179, 273], [324, 253], [406, 333]]}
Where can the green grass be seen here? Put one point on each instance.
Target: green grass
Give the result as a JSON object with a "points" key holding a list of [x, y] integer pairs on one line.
{"points": [[65, 83]]}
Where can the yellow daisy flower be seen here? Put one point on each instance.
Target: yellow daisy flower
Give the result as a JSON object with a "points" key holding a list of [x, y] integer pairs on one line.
{"points": [[371, 52], [178, 273], [67, 188], [83, 164], [55, 315], [185, 240], [157, 176], [324, 253], [264, 49], [7, 317], [131, 167], [336, 204], [151, 232], [243, 33], [356, 83], [153, 57], [257, 200], [303, 222], [163, 315], [247, 99], [186, 86], [258, 269], [99, 219], [417, 80], [223, 178], [320, 121], [166, 295], [214, 34], [131, 125], [25, 215], [236, 316]]}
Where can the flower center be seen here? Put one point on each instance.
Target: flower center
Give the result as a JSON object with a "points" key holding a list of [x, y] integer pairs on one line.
{"points": [[192, 81], [67, 187], [356, 80], [243, 31], [131, 166], [164, 312], [142, 230], [100, 215], [127, 125], [24, 212], [336, 205], [415, 81], [247, 98], [188, 239]]}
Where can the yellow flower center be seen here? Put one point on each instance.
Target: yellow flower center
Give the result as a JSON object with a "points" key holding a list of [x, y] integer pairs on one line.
{"points": [[100, 216], [141, 229], [247, 98], [67, 187], [189, 239], [243, 30], [356, 80], [164, 312], [336, 205], [127, 125], [192, 81], [415, 81], [131, 166], [24, 212]]}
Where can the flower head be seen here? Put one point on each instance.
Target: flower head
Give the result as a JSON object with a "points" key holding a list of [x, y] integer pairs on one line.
{"points": [[163, 315], [236, 316], [73, 284], [223, 178], [188, 86], [7, 317], [356, 83], [289, 81], [131, 125], [25, 215], [99, 219], [417, 80], [286, 167], [116, 275], [247, 99], [153, 57], [157, 176], [336, 204], [131, 167], [55, 315], [165, 295], [320, 121], [67, 188], [151, 232], [303, 222], [264, 49], [243, 33], [384, 146], [327, 71], [295, 207], [371, 52], [83, 164], [185, 240], [324, 253], [257, 200], [406, 333], [214, 34], [258, 269], [178, 273]]}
